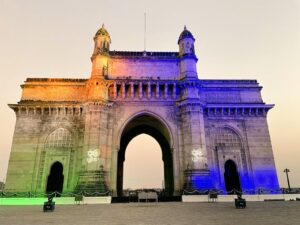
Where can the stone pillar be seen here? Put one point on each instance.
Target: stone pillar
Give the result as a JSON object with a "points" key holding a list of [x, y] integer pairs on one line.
{"points": [[174, 90], [196, 167], [166, 90], [157, 90], [114, 170], [132, 90], [123, 90], [94, 152], [149, 90], [140, 90], [115, 90]]}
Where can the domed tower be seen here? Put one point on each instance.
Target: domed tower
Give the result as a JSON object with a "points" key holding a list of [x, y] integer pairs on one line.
{"points": [[101, 52], [188, 59], [102, 41], [97, 84]]}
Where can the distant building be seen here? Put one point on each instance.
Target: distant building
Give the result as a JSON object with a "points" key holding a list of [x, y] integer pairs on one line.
{"points": [[71, 134]]}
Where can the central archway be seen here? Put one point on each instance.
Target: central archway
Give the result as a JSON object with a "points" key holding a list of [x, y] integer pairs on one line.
{"points": [[147, 124], [143, 165]]}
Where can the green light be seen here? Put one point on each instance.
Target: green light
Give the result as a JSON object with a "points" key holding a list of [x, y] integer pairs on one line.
{"points": [[36, 201]]}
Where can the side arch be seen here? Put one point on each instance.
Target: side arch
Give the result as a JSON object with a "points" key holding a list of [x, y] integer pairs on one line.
{"points": [[229, 145], [231, 177], [57, 146], [55, 179]]}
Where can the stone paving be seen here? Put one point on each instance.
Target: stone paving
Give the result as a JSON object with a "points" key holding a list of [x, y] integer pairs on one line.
{"points": [[172, 213]]}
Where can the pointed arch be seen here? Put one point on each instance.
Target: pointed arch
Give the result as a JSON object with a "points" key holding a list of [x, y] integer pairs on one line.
{"points": [[229, 145], [57, 146], [153, 125], [167, 130], [55, 179], [231, 177]]}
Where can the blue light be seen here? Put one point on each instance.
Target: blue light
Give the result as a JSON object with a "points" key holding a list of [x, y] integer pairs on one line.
{"points": [[262, 181]]}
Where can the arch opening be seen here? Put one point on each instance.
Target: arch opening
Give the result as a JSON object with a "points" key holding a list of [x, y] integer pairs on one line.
{"points": [[231, 177], [143, 165], [55, 179], [147, 124]]}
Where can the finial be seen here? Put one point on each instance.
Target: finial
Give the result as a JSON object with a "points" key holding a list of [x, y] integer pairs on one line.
{"points": [[102, 25], [185, 27]]}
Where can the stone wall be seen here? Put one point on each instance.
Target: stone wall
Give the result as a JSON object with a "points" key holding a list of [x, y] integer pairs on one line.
{"points": [[52, 90], [30, 161], [143, 68], [192, 112]]}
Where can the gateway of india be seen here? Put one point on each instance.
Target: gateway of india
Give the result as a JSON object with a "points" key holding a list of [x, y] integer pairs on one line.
{"points": [[71, 134]]}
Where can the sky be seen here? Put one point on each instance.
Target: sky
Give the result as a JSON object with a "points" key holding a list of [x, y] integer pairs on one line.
{"points": [[235, 39]]}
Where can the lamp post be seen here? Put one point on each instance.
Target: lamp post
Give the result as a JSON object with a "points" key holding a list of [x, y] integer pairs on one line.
{"points": [[286, 170]]}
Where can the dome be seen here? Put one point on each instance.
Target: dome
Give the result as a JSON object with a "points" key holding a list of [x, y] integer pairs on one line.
{"points": [[102, 31], [185, 34]]}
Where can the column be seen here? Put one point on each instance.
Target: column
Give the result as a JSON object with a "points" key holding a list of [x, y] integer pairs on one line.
{"points": [[95, 141], [197, 172], [132, 90], [149, 90], [140, 90], [123, 90], [166, 90], [115, 90], [157, 90], [174, 90]]}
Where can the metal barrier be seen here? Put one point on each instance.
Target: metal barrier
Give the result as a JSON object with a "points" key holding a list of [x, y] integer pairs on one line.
{"points": [[147, 196]]}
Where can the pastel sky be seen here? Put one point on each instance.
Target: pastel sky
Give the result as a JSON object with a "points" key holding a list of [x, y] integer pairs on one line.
{"points": [[235, 39]]}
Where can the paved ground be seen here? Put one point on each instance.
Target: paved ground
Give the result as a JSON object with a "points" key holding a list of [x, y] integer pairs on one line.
{"points": [[256, 213]]}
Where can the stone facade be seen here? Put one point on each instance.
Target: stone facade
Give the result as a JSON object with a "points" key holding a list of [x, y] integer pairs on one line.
{"points": [[86, 125]]}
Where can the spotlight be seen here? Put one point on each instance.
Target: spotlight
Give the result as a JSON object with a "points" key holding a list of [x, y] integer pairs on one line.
{"points": [[49, 206], [240, 203]]}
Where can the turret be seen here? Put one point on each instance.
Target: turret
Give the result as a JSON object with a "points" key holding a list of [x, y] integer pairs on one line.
{"points": [[97, 85], [188, 59], [101, 53], [102, 41]]}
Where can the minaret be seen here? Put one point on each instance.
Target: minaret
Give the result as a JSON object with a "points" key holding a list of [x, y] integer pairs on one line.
{"points": [[188, 59], [92, 177], [187, 65], [197, 173], [97, 85]]}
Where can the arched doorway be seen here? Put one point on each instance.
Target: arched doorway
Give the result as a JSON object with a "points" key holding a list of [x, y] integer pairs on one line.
{"points": [[231, 176], [147, 124], [55, 179], [143, 164]]}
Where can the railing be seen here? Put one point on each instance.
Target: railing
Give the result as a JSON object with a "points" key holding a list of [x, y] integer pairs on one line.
{"points": [[54, 194], [184, 192], [244, 192]]}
